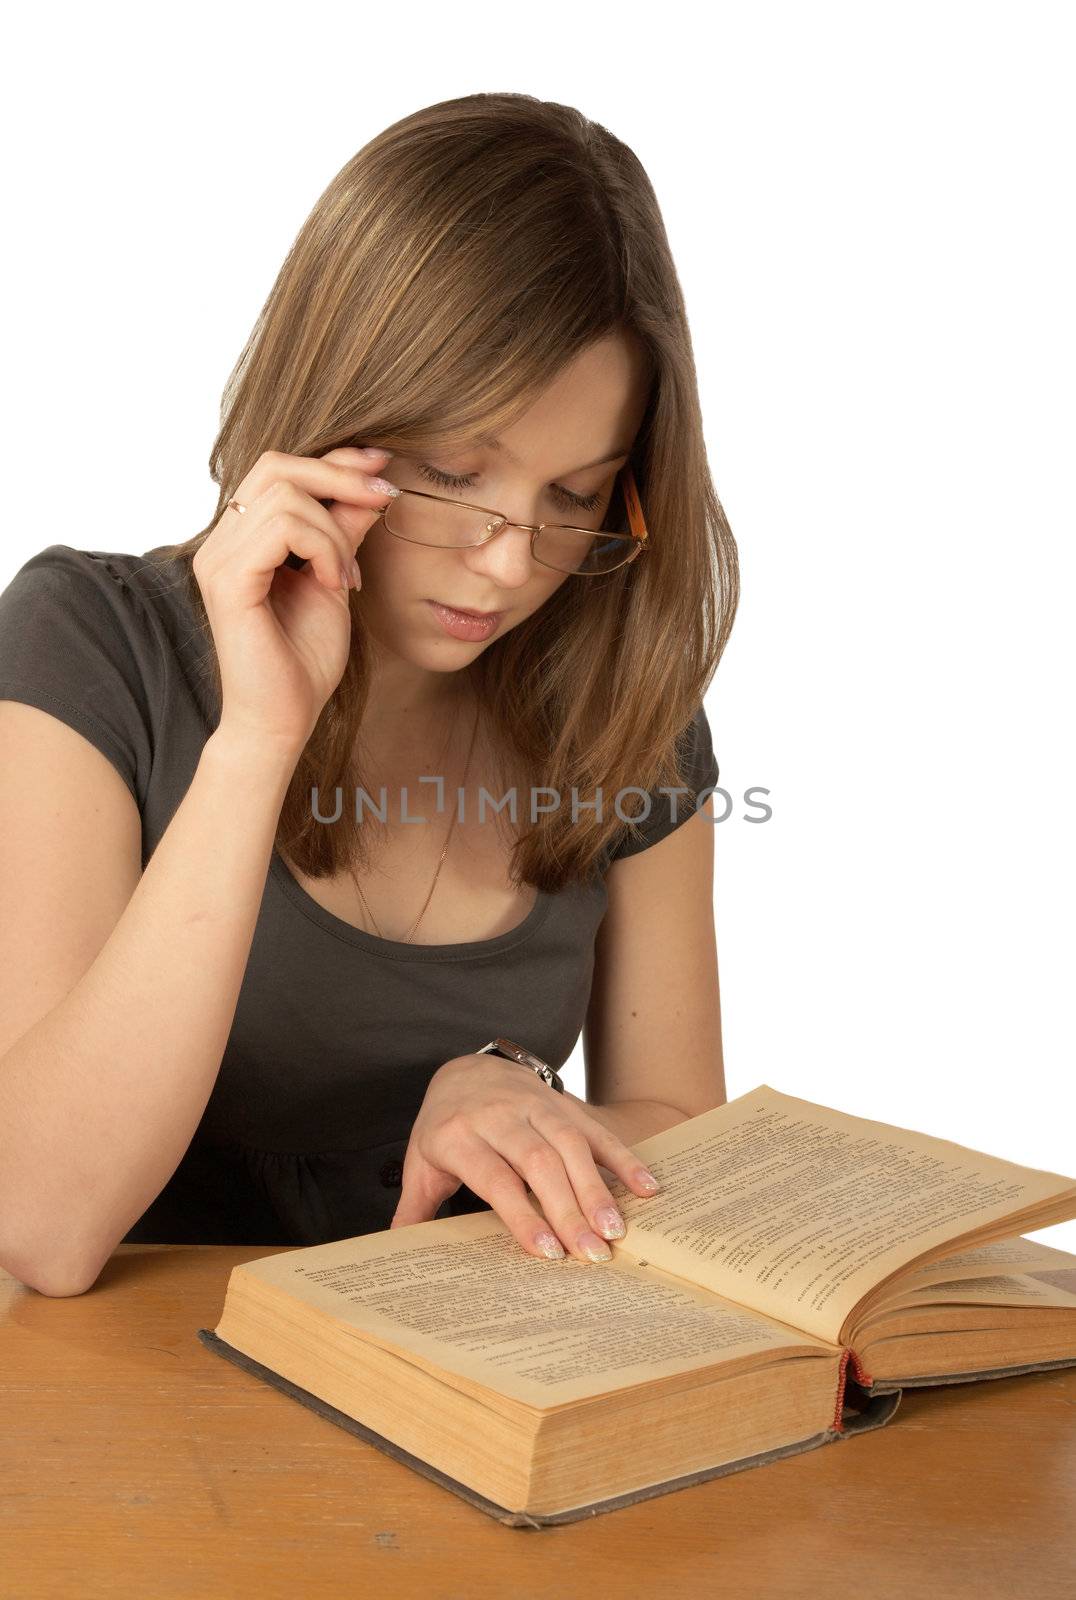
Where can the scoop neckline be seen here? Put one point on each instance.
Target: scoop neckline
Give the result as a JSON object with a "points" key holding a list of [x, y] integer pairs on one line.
{"points": [[400, 949]]}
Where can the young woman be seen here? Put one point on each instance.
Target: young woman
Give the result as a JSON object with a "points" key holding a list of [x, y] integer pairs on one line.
{"points": [[238, 1005]]}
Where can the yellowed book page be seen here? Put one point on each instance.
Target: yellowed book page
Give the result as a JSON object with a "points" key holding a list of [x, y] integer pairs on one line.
{"points": [[1002, 1259], [1003, 1256], [798, 1210], [460, 1296], [1043, 1288]]}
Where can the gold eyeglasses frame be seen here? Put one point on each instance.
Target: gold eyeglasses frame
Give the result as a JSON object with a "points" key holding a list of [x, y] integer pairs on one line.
{"points": [[637, 529]]}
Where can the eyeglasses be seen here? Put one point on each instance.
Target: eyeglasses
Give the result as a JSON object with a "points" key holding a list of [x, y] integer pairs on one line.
{"points": [[433, 519]]}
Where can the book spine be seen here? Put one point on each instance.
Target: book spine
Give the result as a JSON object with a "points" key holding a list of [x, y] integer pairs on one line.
{"points": [[858, 1376], [838, 1425]]}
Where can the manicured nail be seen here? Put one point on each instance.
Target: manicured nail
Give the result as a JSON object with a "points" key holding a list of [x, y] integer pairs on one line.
{"points": [[647, 1179], [611, 1222], [373, 450], [383, 486], [345, 581], [357, 575], [550, 1246], [594, 1247]]}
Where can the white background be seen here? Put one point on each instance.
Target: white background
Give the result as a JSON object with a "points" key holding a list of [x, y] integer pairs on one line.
{"points": [[871, 211]]}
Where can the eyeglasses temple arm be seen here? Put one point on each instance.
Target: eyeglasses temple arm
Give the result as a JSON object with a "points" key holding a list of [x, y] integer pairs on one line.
{"points": [[633, 505]]}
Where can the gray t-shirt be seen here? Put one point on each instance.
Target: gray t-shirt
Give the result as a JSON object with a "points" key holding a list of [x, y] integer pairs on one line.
{"points": [[336, 1032]]}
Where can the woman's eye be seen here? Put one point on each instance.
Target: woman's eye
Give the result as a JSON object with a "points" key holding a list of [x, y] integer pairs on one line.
{"points": [[575, 502], [447, 480], [453, 480]]}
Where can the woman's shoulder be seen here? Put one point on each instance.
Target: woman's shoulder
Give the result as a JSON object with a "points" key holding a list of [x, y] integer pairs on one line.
{"points": [[668, 808], [134, 588], [92, 637]]}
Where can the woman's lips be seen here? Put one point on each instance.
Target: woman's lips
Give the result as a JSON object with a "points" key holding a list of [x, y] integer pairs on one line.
{"points": [[470, 625], [466, 611]]}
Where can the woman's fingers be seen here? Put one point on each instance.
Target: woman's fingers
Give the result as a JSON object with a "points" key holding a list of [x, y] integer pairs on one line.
{"points": [[282, 493], [346, 474], [603, 1148], [497, 1182], [284, 504], [499, 1132], [424, 1189], [570, 1195]]}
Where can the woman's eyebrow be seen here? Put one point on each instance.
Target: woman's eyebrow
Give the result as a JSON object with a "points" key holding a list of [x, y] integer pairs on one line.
{"points": [[495, 444]]}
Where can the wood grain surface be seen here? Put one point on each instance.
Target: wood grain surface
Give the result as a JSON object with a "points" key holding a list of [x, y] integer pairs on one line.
{"points": [[135, 1462]]}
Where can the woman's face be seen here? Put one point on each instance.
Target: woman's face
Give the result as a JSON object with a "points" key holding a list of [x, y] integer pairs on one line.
{"points": [[572, 442]]}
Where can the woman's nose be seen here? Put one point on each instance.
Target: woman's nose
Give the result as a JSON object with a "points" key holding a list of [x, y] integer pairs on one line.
{"points": [[507, 556]]}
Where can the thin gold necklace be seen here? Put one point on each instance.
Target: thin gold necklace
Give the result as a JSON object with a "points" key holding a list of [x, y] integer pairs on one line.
{"points": [[448, 839]]}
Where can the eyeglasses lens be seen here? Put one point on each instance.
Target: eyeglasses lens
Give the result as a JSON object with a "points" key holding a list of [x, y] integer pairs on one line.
{"points": [[440, 523]]}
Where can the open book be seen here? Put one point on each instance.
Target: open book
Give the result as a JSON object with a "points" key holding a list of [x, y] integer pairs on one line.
{"points": [[798, 1268]]}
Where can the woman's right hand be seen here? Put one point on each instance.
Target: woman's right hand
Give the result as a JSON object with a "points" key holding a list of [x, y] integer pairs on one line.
{"points": [[283, 634]]}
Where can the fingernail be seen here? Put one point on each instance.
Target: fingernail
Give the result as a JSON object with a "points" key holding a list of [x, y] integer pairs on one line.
{"points": [[594, 1247], [383, 486], [373, 450], [345, 581], [647, 1179], [356, 573], [549, 1246], [610, 1222]]}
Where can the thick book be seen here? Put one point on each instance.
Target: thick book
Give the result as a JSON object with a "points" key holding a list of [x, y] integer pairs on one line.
{"points": [[798, 1269]]}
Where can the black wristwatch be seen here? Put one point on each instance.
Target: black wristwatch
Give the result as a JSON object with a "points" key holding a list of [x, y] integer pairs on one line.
{"points": [[526, 1058]]}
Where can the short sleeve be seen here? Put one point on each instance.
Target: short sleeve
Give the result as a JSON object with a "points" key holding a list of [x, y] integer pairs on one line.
{"points": [[698, 774], [75, 641]]}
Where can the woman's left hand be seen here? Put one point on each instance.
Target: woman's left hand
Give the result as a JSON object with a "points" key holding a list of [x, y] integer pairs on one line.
{"points": [[491, 1124]]}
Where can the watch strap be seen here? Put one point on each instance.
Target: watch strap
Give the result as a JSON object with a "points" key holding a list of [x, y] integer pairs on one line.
{"points": [[526, 1058]]}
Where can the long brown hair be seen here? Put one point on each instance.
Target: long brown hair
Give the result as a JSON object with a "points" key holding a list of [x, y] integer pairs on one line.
{"points": [[442, 280]]}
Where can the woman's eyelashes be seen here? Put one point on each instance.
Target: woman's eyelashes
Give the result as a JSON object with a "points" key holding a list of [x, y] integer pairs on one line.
{"points": [[453, 480]]}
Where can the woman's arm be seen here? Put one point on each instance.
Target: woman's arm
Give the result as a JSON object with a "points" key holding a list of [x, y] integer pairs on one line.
{"points": [[652, 1036], [117, 988], [632, 1120], [653, 1028]]}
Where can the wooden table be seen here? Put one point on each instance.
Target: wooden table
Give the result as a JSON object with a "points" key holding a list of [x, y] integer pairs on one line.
{"points": [[135, 1462]]}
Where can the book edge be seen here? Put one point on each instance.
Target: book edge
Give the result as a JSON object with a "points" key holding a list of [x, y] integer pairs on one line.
{"points": [[891, 1385], [878, 1411]]}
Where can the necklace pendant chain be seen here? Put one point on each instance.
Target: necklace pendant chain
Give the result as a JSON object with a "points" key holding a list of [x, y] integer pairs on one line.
{"points": [[448, 839]]}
